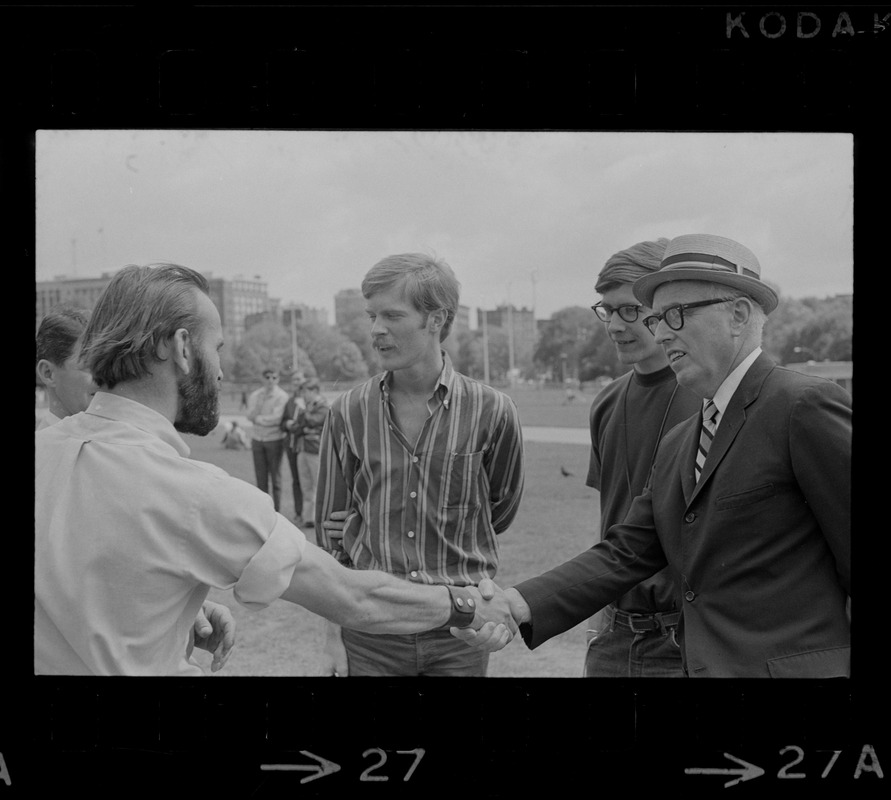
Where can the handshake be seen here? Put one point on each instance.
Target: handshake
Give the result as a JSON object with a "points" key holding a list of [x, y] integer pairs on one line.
{"points": [[499, 612]]}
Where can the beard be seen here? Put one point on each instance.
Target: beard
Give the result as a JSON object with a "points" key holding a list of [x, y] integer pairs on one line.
{"points": [[199, 401]]}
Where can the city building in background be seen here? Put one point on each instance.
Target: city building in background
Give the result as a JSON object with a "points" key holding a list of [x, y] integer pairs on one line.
{"points": [[349, 305], [238, 300], [521, 329], [461, 323], [302, 314], [80, 292]]}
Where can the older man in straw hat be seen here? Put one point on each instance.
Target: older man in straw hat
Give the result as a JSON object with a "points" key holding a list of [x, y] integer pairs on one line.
{"points": [[749, 502]]}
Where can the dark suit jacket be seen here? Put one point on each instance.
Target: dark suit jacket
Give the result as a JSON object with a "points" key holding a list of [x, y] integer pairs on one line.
{"points": [[761, 546]]}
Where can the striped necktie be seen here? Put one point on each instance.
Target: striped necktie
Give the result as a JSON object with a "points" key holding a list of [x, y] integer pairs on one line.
{"points": [[709, 423]]}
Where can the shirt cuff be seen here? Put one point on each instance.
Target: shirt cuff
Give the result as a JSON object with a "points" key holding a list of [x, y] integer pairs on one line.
{"points": [[269, 572]]}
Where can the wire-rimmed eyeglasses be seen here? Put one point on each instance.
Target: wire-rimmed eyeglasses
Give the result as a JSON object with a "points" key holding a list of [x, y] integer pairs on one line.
{"points": [[674, 315], [627, 313]]}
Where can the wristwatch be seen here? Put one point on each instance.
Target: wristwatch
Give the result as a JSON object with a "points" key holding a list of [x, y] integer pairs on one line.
{"points": [[463, 607]]}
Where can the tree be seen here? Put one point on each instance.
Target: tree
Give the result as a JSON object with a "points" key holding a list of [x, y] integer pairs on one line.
{"points": [[811, 329], [358, 330], [831, 334], [576, 344], [264, 345], [470, 359], [597, 357], [333, 355]]}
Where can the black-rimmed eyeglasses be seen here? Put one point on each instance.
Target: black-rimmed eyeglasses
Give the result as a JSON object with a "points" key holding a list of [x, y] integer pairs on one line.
{"points": [[626, 313], [674, 315]]}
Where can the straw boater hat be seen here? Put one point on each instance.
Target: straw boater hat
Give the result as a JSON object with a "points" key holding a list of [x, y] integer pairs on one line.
{"points": [[703, 257]]}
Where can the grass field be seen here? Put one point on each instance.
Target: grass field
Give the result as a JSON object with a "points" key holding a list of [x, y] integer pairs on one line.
{"points": [[545, 407], [558, 518]]}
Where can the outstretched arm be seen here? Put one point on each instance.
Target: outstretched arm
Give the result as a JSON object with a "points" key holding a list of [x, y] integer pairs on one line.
{"points": [[375, 602]]}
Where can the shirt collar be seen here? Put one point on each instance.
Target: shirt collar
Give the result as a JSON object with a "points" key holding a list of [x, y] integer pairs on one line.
{"points": [[132, 412], [445, 383], [50, 418], [732, 381]]}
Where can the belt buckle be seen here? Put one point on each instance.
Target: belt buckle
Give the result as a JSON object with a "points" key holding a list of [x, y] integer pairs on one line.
{"points": [[651, 625]]}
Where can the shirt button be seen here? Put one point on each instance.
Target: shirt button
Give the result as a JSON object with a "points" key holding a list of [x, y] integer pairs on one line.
{"points": [[413, 494], [414, 573], [414, 459], [690, 517], [411, 534], [689, 596]]}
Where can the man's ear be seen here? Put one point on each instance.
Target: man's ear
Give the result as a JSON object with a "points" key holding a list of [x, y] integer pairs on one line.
{"points": [[742, 313], [436, 320], [178, 349], [46, 372]]}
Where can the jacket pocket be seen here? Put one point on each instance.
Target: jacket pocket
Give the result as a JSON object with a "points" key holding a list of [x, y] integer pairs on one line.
{"points": [[834, 662], [745, 498]]}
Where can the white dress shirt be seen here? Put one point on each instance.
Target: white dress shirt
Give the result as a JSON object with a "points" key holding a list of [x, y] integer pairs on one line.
{"points": [[130, 534]]}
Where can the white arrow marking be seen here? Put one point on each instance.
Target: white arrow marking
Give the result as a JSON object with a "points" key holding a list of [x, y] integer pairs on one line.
{"points": [[747, 772], [323, 768]]}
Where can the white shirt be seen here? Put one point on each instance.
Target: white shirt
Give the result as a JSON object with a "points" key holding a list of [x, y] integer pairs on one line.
{"points": [[46, 419], [731, 384], [130, 534], [266, 407]]}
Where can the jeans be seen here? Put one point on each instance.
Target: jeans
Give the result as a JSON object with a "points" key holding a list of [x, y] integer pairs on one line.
{"points": [[622, 653], [430, 654], [296, 488], [268, 467]]}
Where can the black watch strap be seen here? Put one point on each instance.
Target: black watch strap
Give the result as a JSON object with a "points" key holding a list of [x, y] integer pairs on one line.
{"points": [[463, 607]]}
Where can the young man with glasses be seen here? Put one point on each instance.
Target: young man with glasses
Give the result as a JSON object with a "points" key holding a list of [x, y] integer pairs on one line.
{"points": [[266, 407], [749, 502], [635, 636]]}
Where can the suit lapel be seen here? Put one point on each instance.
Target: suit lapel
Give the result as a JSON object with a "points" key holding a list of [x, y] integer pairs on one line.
{"points": [[734, 417]]}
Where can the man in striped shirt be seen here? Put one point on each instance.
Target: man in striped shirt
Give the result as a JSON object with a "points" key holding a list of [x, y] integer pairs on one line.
{"points": [[427, 464]]}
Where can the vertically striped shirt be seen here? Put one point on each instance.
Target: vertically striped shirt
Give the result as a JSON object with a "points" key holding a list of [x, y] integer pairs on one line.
{"points": [[427, 511]]}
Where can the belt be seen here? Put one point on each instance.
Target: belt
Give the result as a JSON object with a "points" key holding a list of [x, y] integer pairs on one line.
{"points": [[641, 623]]}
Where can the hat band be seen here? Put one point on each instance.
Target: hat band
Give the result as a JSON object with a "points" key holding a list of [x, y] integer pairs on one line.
{"points": [[710, 261]]}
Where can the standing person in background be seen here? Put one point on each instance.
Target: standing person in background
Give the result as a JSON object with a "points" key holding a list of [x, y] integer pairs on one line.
{"points": [[428, 465], [308, 435], [635, 636], [266, 406], [68, 387], [289, 420]]}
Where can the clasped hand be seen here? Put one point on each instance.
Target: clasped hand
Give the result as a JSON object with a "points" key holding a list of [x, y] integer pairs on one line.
{"points": [[495, 623], [498, 611]]}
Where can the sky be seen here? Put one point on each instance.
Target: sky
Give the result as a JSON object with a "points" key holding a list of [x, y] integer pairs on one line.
{"points": [[526, 218]]}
